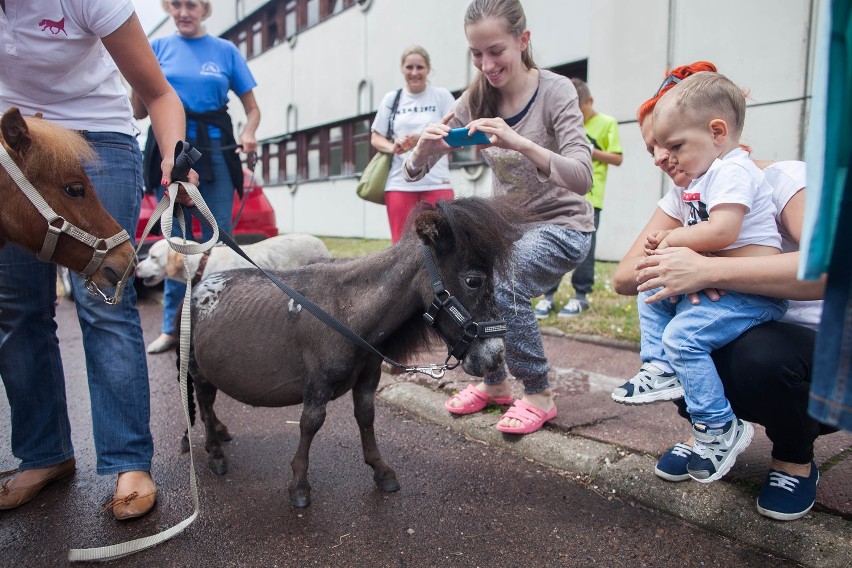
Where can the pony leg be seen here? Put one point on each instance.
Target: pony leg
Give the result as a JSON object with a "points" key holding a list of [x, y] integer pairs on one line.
{"points": [[206, 394], [364, 398], [313, 417]]}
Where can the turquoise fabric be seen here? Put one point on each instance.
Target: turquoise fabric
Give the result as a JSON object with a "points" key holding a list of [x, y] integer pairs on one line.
{"points": [[830, 141]]}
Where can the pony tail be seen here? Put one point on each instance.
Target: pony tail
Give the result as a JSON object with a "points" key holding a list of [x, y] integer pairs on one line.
{"points": [[674, 77]]}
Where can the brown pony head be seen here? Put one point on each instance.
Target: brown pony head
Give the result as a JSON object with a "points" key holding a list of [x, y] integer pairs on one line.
{"points": [[52, 159]]}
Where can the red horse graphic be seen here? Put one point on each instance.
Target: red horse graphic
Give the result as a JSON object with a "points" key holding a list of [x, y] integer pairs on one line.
{"points": [[54, 27]]}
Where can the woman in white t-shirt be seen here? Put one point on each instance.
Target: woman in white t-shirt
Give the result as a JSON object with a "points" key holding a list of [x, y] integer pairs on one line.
{"points": [[419, 105]]}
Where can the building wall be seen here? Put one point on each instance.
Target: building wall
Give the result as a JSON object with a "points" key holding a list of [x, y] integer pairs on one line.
{"points": [[628, 46]]}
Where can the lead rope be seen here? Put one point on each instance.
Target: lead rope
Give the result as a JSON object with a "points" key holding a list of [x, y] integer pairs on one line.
{"points": [[165, 212]]}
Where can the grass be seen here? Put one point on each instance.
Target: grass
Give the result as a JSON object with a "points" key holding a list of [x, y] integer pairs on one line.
{"points": [[610, 315]]}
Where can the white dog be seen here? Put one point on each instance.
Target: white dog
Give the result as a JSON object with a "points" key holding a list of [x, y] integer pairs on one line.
{"points": [[277, 253]]}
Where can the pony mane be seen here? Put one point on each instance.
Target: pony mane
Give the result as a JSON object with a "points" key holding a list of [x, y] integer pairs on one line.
{"points": [[486, 227], [56, 147]]}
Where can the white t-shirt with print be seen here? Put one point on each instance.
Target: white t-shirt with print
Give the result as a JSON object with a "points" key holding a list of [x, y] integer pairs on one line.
{"points": [[414, 113], [732, 179], [82, 92]]}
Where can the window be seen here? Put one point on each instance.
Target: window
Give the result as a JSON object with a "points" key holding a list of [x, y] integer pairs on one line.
{"points": [[291, 161], [335, 151], [242, 43], [361, 143], [256, 38], [271, 163], [313, 13], [290, 20], [314, 147]]}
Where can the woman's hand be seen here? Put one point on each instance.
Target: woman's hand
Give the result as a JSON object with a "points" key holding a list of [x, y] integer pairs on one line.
{"points": [[405, 143], [182, 197], [675, 270], [248, 142], [500, 133], [430, 142]]}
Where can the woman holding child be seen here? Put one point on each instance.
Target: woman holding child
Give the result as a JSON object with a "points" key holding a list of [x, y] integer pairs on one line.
{"points": [[766, 370], [538, 153]]}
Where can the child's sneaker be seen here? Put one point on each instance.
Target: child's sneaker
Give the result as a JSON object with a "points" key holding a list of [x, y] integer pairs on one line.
{"points": [[651, 384], [542, 308], [573, 308], [716, 449], [672, 465], [787, 497]]}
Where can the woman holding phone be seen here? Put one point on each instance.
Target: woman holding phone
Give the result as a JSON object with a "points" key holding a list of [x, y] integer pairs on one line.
{"points": [[538, 152]]}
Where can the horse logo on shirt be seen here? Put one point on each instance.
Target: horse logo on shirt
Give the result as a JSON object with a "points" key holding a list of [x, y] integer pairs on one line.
{"points": [[54, 27]]}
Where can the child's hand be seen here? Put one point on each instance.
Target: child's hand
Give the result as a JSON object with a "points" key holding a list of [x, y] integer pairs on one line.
{"points": [[654, 241]]}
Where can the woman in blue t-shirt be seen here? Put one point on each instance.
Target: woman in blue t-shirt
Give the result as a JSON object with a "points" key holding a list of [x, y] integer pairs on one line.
{"points": [[203, 69]]}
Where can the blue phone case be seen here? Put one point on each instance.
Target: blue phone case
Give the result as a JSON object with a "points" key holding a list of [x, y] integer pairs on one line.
{"points": [[459, 137]]}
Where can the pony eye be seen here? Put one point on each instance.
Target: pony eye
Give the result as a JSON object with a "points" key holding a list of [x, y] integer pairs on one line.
{"points": [[474, 281], [75, 189]]}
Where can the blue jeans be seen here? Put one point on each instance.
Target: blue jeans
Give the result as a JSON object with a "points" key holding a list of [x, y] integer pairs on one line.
{"points": [[583, 277], [684, 335], [219, 196], [30, 362], [539, 260]]}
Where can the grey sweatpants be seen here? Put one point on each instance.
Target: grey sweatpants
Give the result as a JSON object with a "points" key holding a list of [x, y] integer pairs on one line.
{"points": [[541, 257]]}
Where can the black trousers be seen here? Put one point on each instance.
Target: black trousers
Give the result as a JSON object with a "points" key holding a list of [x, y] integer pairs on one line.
{"points": [[767, 374]]}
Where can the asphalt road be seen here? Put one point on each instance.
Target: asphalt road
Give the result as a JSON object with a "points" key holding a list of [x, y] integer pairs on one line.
{"points": [[462, 503]]}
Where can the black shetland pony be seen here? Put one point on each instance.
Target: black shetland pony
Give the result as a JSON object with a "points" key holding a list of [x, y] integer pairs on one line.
{"points": [[257, 345]]}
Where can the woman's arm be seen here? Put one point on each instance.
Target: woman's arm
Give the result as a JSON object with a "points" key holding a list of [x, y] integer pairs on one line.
{"points": [[132, 53], [681, 270], [380, 143], [430, 148], [247, 136], [624, 277]]}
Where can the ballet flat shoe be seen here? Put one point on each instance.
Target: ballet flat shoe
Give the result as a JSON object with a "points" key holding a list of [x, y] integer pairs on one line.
{"points": [[14, 495], [136, 503]]}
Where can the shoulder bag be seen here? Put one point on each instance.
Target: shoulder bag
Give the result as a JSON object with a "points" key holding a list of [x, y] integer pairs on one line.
{"points": [[371, 186]]}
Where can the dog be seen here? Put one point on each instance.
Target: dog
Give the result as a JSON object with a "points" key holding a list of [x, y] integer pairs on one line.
{"points": [[279, 253]]}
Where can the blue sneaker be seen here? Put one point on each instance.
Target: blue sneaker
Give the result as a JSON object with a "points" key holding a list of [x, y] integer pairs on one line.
{"points": [[543, 308], [672, 465], [787, 497], [651, 384], [716, 449]]}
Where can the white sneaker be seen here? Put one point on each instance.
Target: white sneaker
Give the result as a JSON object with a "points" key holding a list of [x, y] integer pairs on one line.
{"points": [[542, 308], [573, 308], [650, 384]]}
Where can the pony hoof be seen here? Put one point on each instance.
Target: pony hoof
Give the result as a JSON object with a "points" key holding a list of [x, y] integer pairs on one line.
{"points": [[300, 499], [388, 484], [219, 466]]}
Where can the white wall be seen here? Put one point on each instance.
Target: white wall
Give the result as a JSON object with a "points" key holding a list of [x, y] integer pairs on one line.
{"points": [[762, 45]]}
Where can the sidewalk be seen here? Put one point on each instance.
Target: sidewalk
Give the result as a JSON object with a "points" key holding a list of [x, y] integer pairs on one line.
{"points": [[613, 448]]}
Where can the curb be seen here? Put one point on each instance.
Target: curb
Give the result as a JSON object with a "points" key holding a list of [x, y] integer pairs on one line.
{"points": [[819, 539], [606, 342]]}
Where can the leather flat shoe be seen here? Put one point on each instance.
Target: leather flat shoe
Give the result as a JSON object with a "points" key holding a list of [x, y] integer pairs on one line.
{"points": [[27, 484], [162, 344], [136, 503]]}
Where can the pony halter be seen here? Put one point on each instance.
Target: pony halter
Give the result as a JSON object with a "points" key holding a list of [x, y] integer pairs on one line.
{"points": [[446, 302], [56, 225]]}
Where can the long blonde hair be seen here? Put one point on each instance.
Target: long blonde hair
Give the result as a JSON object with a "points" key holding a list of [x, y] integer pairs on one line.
{"points": [[483, 98]]}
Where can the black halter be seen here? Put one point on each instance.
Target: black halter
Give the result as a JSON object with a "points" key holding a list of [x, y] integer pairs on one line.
{"points": [[446, 302]]}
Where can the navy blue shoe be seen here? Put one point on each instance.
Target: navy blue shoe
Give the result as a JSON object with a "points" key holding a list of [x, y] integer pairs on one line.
{"points": [[787, 497], [672, 465]]}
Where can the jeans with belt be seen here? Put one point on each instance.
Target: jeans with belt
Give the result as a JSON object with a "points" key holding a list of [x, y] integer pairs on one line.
{"points": [[30, 362]]}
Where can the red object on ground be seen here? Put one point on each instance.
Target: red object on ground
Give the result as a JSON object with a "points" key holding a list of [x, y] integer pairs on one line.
{"points": [[256, 222]]}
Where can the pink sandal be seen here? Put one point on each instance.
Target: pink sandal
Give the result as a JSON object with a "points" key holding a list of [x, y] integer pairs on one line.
{"points": [[532, 418], [474, 400]]}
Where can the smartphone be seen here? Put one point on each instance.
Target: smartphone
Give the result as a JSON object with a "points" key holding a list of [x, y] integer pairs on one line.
{"points": [[459, 137]]}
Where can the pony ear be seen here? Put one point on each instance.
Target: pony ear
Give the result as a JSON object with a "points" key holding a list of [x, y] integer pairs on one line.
{"points": [[427, 226], [15, 132]]}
